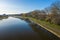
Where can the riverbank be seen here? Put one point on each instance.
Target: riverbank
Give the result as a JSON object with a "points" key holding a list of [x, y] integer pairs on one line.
{"points": [[3, 17], [55, 29], [48, 27]]}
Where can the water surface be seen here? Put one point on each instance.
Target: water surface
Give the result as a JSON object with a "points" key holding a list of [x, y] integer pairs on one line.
{"points": [[17, 29]]}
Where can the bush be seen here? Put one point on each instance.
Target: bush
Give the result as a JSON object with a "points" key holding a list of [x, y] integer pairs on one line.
{"points": [[56, 20]]}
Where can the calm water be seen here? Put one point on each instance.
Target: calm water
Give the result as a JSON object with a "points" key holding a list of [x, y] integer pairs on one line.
{"points": [[17, 29]]}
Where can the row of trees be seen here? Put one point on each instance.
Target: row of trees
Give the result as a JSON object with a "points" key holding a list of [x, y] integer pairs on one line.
{"points": [[54, 13], [50, 14]]}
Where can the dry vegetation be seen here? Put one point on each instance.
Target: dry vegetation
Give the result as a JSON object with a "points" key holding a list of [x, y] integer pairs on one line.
{"points": [[50, 14]]}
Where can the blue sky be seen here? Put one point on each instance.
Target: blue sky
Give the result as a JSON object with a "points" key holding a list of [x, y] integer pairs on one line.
{"points": [[23, 6]]}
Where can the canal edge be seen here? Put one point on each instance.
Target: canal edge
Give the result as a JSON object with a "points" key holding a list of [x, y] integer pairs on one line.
{"points": [[47, 29]]}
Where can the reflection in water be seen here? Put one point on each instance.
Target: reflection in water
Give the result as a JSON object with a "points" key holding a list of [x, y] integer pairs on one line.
{"points": [[17, 29], [44, 34], [3, 17]]}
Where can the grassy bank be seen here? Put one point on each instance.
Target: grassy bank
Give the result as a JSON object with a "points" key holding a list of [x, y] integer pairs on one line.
{"points": [[55, 29], [46, 23], [50, 27]]}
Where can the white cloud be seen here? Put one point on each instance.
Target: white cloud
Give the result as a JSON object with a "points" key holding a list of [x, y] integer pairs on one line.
{"points": [[11, 7], [6, 8]]}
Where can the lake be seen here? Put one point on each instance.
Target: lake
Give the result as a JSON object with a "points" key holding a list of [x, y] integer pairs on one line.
{"points": [[12, 28]]}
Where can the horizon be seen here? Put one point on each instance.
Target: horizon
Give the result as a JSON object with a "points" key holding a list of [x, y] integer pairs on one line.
{"points": [[23, 6]]}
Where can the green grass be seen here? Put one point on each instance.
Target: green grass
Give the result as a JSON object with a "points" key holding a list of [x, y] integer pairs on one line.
{"points": [[42, 22], [48, 25]]}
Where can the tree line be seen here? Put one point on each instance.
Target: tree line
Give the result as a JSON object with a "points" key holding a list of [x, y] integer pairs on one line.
{"points": [[50, 14]]}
